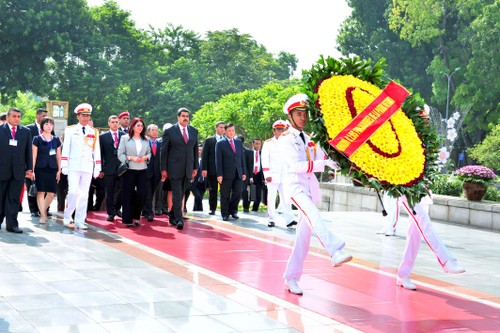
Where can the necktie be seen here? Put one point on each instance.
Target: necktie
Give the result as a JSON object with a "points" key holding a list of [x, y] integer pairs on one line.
{"points": [[232, 145], [116, 139], [256, 167], [153, 147], [13, 132], [184, 134], [83, 129], [302, 137]]}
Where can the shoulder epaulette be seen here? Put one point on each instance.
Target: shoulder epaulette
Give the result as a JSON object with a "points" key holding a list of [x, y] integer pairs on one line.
{"points": [[268, 140]]}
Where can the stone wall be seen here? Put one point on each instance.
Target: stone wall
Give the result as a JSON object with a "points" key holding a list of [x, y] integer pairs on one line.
{"points": [[343, 196]]}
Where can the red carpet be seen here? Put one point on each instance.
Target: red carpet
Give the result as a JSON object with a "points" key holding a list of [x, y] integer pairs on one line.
{"points": [[359, 298]]}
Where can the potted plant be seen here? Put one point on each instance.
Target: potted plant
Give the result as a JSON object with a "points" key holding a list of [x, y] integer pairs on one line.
{"points": [[476, 179]]}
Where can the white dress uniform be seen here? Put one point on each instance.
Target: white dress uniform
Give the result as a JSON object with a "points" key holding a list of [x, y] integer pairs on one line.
{"points": [[421, 227], [272, 166], [80, 160], [301, 188]]}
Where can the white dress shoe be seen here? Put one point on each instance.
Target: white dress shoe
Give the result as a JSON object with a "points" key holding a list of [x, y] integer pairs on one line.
{"points": [[340, 258], [81, 226], [382, 231], [293, 287], [405, 282], [390, 232], [452, 267]]}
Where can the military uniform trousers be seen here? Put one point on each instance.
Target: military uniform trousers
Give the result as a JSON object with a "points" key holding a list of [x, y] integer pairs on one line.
{"points": [[78, 194], [309, 221], [420, 227]]}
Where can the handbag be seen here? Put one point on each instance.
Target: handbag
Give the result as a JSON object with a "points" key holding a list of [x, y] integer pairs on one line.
{"points": [[32, 191], [122, 168]]}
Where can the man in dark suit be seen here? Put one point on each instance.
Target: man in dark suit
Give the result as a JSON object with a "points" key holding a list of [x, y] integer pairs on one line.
{"points": [[255, 171], [198, 186], [15, 165], [35, 130], [231, 171], [153, 172], [179, 161], [208, 165], [245, 195], [109, 155]]}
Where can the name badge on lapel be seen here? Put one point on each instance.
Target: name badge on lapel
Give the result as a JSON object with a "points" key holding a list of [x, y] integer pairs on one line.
{"points": [[13, 142]]}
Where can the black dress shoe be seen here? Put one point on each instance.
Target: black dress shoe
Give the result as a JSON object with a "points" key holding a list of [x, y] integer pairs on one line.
{"points": [[180, 225], [185, 218], [235, 216], [119, 213], [158, 212], [225, 218], [291, 224], [129, 225], [150, 218], [110, 218], [212, 212], [15, 230], [246, 211], [49, 214], [35, 214], [270, 224], [172, 221]]}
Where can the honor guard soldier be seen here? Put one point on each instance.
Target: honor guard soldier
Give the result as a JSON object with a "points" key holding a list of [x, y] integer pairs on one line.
{"points": [[272, 166], [301, 158], [80, 160]]}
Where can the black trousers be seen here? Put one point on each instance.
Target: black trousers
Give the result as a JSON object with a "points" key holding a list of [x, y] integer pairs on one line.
{"points": [[33, 205], [198, 190], [179, 187], [113, 194], [10, 191], [152, 186], [230, 194], [213, 188], [133, 194], [62, 192]]}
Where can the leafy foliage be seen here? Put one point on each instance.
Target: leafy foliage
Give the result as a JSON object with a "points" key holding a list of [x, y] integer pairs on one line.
{"points": [[486, 152], [373, 73], [252, 111]]}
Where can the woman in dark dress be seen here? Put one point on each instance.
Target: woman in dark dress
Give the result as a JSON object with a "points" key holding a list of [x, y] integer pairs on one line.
{"points": [[47, 166]]}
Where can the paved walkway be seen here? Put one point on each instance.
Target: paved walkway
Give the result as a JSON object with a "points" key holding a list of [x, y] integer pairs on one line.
{"points": [[53, 279]]}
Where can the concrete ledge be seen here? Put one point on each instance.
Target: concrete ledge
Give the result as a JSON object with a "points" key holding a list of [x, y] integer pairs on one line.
{"points": [[346, 197]]}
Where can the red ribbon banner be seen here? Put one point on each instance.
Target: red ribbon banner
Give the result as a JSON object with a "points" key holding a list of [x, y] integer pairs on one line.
{"points": [[362, 127]]}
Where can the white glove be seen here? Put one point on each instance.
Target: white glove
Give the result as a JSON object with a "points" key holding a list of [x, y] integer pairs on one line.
{"points": [[64, 171], [332, 164]]}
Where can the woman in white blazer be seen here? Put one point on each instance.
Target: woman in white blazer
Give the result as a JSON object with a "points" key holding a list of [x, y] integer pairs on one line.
{"points": [[135, 150]]}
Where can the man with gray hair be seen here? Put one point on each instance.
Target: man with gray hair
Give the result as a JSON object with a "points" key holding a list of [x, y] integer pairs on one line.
{"points": [[153, 171]]}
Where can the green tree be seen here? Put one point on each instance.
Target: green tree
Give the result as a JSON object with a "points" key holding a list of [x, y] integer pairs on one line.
{"points": [[27, 103], [31, 33], [465, 34], [366, 33], [486, 152], [252, 111]]}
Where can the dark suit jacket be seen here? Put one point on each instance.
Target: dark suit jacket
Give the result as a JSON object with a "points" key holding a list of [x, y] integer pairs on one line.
{"points": [[208, 155], [15, 160], [228, 163], [178, 158], [154, 166], [109, 152], [259, 177]]}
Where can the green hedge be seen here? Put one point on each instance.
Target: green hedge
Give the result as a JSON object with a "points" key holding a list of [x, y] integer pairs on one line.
{"points": [[451, 185]]}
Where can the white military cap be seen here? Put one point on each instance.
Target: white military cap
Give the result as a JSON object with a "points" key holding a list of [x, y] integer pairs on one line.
{"points": [[296, 102], [83, 108], [279, 124]]}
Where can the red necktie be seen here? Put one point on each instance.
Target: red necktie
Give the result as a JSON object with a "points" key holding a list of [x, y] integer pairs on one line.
{"points": [[256, 167], [13, 132], [116, 139], [153, 147], [184, 134], [232, 145]]}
